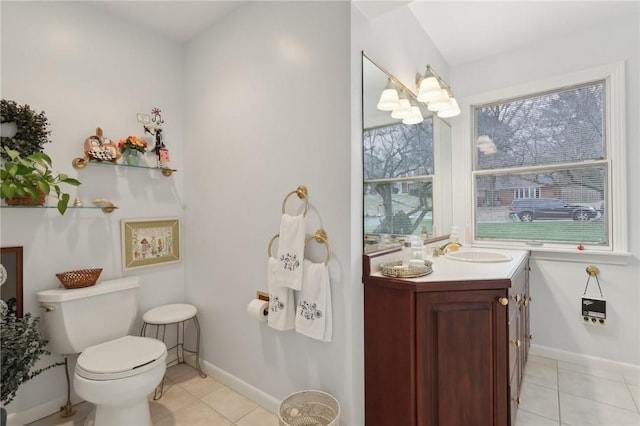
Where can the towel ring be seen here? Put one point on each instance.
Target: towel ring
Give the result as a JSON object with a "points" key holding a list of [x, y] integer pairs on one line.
{"points": [[271, 243], [321, 238], [301, 192]]}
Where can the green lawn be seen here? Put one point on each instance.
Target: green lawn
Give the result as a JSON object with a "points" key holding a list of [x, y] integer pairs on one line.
{"points": [[559, 230]]}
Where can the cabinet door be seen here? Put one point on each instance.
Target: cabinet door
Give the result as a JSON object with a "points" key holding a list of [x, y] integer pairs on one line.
{"points": [[389, 356], [461, 360]]}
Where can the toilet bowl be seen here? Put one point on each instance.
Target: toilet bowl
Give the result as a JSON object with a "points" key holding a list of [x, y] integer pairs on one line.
{"points": [[117, 376]]}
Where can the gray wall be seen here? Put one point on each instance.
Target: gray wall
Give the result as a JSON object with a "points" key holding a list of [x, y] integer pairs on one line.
{"points": [[86, 69], [267, 109]]}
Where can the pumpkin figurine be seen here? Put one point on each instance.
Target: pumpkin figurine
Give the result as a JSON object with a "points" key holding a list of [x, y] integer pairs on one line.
{"points": [[101, 149]]}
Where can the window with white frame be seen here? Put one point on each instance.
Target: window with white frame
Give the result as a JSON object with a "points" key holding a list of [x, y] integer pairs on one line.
{"points": [[543, 165], [398, 168]]}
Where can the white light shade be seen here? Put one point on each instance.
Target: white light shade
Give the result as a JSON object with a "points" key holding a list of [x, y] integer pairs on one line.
{"points": [[486, 145], [404, 111], [388, 99], [441, 102], [484, 140], [415, 118], [429, 89], [452, 111], [488, 149]]}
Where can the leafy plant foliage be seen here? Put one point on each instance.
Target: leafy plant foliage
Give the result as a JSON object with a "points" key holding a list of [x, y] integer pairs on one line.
{"points": [[32, 174], [22, 347]]}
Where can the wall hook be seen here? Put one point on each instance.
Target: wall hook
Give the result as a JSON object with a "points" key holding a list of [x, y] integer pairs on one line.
{"points": [[593, 270]]}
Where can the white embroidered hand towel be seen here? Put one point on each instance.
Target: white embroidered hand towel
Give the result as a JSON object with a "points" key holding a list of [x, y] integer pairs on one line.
{"points": [[291, 251], [282, 309], [313, 313]]}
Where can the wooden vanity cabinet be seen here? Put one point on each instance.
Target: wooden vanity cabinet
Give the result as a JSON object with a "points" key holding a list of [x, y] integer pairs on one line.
{"points": [[519, 335], [437, 353]]}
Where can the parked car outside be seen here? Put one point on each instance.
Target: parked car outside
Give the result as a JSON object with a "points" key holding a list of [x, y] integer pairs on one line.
{"points": [[529, 209]]}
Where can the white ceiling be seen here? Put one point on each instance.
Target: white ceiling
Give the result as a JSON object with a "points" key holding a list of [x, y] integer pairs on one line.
{"points": [[177, 20], [463, 31], [466, 31]]}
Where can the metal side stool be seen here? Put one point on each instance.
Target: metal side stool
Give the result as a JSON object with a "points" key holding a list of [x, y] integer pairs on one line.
{"points": [[177, 314]]}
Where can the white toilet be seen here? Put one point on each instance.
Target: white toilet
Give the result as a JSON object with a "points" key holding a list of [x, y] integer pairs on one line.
{"points": [[115, 371]]}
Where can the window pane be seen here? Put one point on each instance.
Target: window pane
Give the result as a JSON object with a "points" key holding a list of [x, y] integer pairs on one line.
{"points": [[563, 205], [398, 208], [398, 150], [564, 126], [398, 189]]}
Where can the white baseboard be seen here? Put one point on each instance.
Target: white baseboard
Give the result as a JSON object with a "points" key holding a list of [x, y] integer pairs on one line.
{"points": [[256, 395], [39, 411], [587, 360]]}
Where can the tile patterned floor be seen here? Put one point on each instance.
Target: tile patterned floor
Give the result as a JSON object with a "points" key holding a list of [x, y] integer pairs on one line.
{"points": [[554, 393], [188, 400], [557, 393]]}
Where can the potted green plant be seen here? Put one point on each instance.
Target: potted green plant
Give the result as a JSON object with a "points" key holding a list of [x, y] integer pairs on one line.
{"points": [[22, 347], [32, 177]]}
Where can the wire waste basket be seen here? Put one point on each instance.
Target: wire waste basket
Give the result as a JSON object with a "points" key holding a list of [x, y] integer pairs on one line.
{"points": [[309, 408]]}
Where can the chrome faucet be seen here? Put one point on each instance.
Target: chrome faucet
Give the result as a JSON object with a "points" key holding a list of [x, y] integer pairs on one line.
{"points": [[440, 251]]}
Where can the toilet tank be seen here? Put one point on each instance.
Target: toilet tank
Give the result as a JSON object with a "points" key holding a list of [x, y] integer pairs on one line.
{"points": [[73, 320]]}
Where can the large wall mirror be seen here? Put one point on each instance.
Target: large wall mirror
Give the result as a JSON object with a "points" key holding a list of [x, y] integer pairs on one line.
{"points": [[406, 165], [11, 278]]}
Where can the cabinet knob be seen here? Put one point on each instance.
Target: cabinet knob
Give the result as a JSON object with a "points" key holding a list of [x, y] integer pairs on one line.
{"points": [[517, 298], [503, 301], [516, 342], [526, 301], [517, 400]]}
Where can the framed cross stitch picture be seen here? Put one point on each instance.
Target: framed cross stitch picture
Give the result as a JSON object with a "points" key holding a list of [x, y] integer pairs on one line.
{"points": [[150, 242]]}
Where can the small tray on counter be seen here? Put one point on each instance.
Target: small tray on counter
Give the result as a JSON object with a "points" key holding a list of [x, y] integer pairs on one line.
{"points": [[394, 269]]}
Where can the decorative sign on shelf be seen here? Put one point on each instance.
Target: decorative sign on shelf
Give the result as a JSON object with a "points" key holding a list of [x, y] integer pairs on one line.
{"points": [[155, 130]]}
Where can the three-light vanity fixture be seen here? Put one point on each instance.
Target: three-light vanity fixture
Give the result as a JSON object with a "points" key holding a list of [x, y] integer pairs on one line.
{"points": [[432, 91], [402, 105], [436, 94]]}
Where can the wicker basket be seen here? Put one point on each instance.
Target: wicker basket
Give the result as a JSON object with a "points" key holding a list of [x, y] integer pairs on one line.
{"points": [[26, 200], [80, 278], [310, 407]]}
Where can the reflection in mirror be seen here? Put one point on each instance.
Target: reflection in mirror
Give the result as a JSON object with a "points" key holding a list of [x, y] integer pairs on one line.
{"points": [[399, 166]]}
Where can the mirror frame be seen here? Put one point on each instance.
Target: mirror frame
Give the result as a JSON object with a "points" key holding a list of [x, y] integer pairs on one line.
{"points": [[11, 259]]}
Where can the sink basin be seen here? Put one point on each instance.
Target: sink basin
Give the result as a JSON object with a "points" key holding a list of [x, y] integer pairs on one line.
{"points": [[481, 256]]}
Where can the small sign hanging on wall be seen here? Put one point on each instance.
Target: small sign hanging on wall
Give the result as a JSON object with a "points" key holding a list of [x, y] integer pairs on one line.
{"points": [[593, 309]]}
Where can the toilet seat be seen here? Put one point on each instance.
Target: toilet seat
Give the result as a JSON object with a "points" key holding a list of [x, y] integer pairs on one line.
{"points": [[123, 357]]}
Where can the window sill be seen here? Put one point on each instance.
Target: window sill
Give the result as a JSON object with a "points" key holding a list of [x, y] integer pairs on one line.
{"points": [[566, 255], [590, 256]]}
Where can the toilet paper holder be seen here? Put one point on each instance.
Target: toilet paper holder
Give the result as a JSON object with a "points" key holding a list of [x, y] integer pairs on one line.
{"points": [[264, 296]]}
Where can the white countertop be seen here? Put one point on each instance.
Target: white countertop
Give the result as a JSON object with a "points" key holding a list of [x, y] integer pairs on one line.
{"points": [[446, 269]]}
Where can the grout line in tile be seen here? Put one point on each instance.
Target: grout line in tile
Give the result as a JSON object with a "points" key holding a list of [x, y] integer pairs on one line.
{"points": [[598, 402], [540, 415], [558, 394], [632, 398]]}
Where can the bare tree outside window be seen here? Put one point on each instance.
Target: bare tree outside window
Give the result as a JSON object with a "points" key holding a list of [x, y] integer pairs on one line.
{"points": [[547, 146], [398, 174]]}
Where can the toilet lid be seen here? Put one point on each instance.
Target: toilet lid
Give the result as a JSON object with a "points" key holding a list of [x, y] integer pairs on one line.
{"points": [[123, 357]]}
